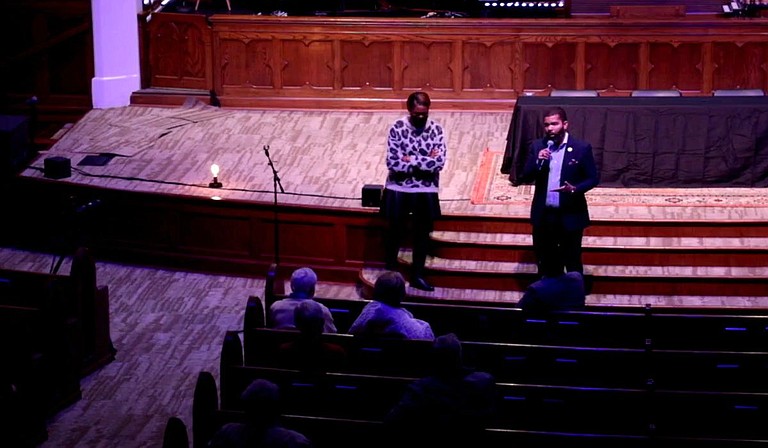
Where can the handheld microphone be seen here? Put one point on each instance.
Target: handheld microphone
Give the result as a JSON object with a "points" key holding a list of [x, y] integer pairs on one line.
{"points": [[550, 145]]}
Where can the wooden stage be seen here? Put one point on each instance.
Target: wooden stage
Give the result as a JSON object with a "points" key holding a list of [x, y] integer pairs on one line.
{"points": [[151, 204]]}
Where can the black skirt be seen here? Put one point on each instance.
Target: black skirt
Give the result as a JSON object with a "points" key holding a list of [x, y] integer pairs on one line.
{"points": [[397, 205]]}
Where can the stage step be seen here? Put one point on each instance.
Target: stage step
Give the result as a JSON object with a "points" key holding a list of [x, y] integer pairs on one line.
{"points": [[598, 250], [601, 279]]}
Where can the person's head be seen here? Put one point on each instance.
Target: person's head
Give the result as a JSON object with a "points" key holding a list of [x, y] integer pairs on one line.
{"points": [[418, 109], [446, 353], [555, 124], [303, 282], [308, 317], [389, 288], [261, 401]]}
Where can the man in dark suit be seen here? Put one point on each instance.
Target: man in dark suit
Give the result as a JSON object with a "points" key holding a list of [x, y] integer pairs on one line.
{"points": [[563, 169]]}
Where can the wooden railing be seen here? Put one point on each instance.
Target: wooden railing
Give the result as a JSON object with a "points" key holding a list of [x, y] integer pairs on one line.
{"points": [[315, 62]]}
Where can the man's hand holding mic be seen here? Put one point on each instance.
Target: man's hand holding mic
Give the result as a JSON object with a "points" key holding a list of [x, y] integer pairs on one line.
{"points": [[546, 154]]}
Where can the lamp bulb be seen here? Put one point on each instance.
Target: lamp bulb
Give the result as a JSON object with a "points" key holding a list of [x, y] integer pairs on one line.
{"points": [[215, 170]]}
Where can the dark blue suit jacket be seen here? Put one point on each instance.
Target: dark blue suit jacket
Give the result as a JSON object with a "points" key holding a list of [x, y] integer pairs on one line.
{"points": [[579, 170]]}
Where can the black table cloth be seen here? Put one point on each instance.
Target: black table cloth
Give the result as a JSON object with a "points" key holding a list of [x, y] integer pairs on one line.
{"points": [[679, 142]]}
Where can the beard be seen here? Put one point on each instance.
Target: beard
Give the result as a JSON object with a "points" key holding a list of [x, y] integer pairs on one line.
{"points": [[556, 137]]}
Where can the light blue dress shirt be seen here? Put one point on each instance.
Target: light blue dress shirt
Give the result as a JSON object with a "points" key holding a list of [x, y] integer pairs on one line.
{"points": [[555, 168]]}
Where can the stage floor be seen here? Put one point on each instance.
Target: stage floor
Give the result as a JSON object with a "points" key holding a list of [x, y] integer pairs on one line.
{"points": [[324, 158]]}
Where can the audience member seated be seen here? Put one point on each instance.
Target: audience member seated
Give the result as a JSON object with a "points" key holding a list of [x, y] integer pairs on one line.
{"points": [[554, 293], [449, 408], [309, 352], [303, 282], [384, 317], [261, 403]]}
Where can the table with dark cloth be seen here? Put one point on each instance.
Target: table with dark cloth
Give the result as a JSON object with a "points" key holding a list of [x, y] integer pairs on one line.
{"points": [[679, 142]]}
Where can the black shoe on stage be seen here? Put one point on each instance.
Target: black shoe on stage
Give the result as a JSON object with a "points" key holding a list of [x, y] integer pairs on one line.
{"points": [[420, 283]]}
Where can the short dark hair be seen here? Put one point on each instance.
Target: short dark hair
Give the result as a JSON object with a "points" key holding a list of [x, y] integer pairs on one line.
{"points": [[559, 111], [418, 99], [389, 288], [308, 317]]}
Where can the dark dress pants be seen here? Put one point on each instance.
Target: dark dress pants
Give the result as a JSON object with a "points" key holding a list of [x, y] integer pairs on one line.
{"points": [[555, 246]]}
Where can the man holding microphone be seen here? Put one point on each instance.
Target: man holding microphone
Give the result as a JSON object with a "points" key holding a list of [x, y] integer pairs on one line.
{"points": [[563, 169]]}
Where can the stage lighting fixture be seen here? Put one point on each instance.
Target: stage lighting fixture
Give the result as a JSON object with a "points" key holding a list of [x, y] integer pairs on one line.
{"points": [[525, 9], [215, 172]]}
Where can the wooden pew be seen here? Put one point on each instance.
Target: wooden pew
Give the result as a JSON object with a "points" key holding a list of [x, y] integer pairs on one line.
{"points": [[682, 328], [74, 303], [623, 327], [532, 364], [621, 413], [518, 363], [55, 330], [499, 324]]}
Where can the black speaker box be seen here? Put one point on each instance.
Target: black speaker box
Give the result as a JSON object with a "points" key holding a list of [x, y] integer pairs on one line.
{"points": [[372, 195], [57, 167]]}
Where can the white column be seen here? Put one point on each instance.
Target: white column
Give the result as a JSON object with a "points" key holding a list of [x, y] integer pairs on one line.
{"points": [[115, 52]]}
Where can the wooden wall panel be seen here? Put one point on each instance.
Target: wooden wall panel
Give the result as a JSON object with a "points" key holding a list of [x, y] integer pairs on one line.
{"points": [[364, 242], [675, 66], [373, 63], [246, 62], [427, 65], [217, 234], [308, 63], [489, 65], [740, 65], [179, 52], [550, 65], [308, 240], [611, 65], [234, 69], [260, 54], [366, 64]]}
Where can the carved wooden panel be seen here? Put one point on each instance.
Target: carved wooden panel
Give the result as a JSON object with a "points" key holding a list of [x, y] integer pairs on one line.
{"points": [[611, 66], [740, 65], [245, 63], [366, 64], [308, 63], [482, 63], [550, 65], [427, 65], [675, 66], [179, 51], [489, 65]]}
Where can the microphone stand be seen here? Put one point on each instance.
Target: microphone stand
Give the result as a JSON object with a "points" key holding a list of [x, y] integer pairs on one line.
{"points": [[275, 183]]}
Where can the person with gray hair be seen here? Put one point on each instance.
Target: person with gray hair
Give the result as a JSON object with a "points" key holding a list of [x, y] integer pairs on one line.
{"points": [[303, 283], [261, 403], [385, 317]]}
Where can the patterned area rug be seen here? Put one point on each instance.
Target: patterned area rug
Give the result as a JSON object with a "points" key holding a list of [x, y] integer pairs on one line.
{"points": [[493, 187]]}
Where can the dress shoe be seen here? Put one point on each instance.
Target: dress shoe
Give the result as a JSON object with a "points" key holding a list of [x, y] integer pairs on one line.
{"points": [[420, 283]]}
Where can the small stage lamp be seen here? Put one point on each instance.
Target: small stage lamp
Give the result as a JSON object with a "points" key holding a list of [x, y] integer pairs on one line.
{"points": [[215, 172]]}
